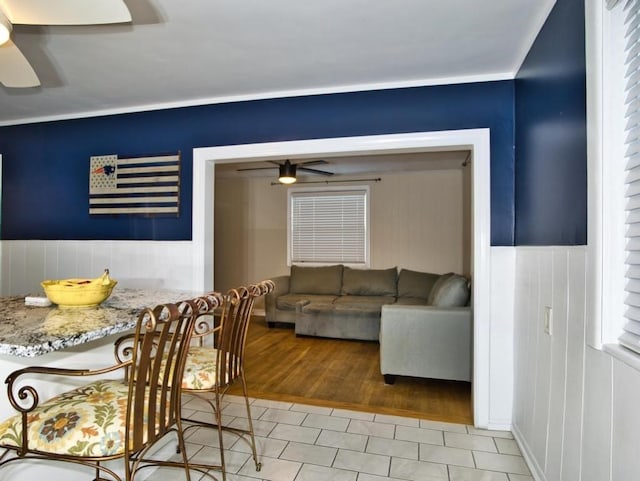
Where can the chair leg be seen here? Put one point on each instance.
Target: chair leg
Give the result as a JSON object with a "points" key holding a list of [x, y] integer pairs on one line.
{"points": [[215, 403], [251, 433], [183, 449], [218, 414]]}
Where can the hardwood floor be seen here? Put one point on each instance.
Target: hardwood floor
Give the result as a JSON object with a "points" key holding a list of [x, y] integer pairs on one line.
{"points": [[343, 374]]}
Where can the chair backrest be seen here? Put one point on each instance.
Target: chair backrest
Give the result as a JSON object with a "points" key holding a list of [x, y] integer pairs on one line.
{"points": [[232, 338], [159, 350], [211, 309]]}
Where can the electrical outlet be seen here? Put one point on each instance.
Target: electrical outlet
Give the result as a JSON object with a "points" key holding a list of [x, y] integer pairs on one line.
{"points": [[548, 320]]}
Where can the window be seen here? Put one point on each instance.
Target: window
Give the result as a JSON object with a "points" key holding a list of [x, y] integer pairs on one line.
{"points": [[631, 335], [329, 226], [613, 88]]}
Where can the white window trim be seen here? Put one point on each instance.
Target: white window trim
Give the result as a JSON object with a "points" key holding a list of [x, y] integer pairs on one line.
{"points": [[352, 188], [0, 206], [606, 202]]}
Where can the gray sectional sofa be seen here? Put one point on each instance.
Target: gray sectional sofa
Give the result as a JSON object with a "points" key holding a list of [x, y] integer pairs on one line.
{"points": [[342, 302], [426, 341]]}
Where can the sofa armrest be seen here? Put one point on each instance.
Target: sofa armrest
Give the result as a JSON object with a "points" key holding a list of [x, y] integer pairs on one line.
{"points": [[281, 287], [426, 341]]}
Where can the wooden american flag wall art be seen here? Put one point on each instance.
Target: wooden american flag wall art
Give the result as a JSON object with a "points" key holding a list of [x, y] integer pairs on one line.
{"points": [[147, 185]]}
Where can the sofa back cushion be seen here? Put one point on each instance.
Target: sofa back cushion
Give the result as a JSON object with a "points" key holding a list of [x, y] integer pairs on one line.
{"points": [[450, 290], [416, 284], [316, 280], [369, 282]]}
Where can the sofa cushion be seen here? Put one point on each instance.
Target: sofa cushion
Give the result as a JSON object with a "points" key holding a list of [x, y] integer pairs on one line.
{"points": [[450, 290], [316, 280], [411, 301], [363, 302], [287, 302], [416, 284], [369, 282]]}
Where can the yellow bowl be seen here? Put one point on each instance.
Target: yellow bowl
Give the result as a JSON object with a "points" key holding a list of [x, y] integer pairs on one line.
{"points": [[78, 292]]}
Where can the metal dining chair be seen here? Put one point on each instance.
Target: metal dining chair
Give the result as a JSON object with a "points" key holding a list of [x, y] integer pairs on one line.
{"points": [[216, 362], [107, 419]]}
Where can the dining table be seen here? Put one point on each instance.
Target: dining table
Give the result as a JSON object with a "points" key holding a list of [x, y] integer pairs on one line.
{"points": [[31, 331]]}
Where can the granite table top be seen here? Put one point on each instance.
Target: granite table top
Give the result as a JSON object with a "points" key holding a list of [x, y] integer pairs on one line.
{"points": [[28, 331]]}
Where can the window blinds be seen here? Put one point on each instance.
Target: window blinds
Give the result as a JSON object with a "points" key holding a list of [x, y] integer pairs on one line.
{"points": [[631, 335], [328, 227], [611, 3]]}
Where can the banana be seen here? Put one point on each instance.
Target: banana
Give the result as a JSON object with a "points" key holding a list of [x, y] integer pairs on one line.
{"points": [[104, 280]]}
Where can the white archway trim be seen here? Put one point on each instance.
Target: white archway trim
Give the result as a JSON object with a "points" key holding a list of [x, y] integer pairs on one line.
{"points": [[477, 140]]}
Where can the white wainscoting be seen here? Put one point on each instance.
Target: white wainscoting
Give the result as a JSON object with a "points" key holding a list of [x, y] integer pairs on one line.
{"points": [[132, 263], [575, 408]]}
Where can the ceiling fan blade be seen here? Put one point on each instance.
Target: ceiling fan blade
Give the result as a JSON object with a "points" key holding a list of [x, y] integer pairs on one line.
{"points": [[313, 162], [255, 168], [65, 12], [15, 69], [314, 171]]}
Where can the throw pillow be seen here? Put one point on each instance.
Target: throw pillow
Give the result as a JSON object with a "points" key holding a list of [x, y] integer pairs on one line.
{"points": [[451, 290], [316, 280], [369, 282]]}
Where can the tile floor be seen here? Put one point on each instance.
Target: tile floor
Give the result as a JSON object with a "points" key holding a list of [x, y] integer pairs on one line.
{"points": [[299, 442]]}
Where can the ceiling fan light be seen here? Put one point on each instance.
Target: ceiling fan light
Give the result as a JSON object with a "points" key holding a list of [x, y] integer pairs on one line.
{"points": [[5, 29], [287, 173]]}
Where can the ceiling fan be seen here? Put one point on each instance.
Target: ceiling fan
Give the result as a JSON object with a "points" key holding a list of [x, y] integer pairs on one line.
{"points": [[288, 170], [15, 69]]}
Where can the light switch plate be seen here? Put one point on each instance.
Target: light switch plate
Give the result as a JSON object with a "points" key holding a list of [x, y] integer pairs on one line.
{"points": [[548, 320]]}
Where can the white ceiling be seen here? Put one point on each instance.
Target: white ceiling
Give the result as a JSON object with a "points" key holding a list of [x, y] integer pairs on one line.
{"points": [[358, 167], [204, 51]]}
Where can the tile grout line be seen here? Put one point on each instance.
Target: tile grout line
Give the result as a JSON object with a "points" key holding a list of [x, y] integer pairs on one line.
{"points": [[397, 423]]}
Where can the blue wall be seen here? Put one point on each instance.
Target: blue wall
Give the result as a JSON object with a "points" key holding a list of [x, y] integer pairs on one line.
{"points": [[551, 133], [46, 165]]}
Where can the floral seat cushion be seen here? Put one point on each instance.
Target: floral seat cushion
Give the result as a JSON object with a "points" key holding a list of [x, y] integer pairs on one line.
{"points": [[87, 421], [200, 368]]}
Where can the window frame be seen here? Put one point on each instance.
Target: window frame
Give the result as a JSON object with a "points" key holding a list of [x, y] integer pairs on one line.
{"points": [[606, 249], [292, 192]]}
